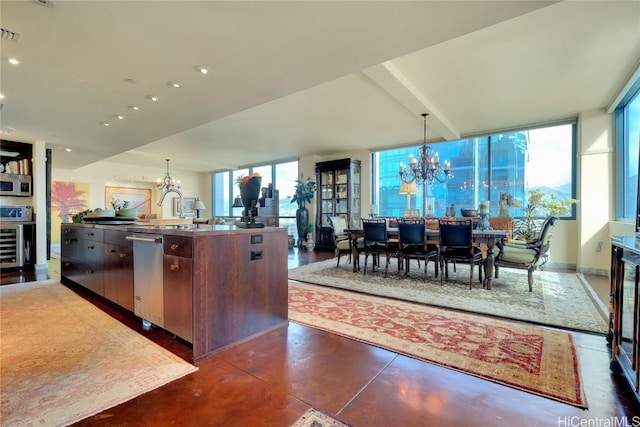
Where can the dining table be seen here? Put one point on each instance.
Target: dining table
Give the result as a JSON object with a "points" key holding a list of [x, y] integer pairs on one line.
{"points": [[480, 237]]}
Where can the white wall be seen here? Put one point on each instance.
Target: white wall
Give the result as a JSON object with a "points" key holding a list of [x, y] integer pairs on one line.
{"points": [[596, 190], [101, 174]]}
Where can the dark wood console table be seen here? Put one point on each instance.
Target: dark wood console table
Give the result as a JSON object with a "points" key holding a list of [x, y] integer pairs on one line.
{"points": [[624, 323]]}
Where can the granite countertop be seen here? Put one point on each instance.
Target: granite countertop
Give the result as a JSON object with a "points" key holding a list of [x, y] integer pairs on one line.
{"points": [[627, 242], [189, 230]]}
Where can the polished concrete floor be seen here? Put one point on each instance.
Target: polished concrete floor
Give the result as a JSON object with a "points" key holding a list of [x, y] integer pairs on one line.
{"points": [[272, 380]]}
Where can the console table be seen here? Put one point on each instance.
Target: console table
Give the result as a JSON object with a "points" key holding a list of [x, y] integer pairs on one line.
{"points": [[624, 322]]}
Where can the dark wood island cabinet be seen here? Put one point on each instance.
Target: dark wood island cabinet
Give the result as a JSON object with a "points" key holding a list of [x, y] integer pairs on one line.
{"points": [[221, 285]]}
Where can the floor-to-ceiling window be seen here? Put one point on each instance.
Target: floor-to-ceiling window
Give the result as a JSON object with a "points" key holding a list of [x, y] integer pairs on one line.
{"points": [[484, 168], [282, 175], [627, 137]]}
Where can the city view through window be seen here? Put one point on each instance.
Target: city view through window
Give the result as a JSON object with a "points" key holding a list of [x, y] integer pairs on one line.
{"points": [[483, 169]]}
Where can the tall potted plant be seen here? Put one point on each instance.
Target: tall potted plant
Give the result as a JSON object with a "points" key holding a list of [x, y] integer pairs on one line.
{"points": [[303, 194]]}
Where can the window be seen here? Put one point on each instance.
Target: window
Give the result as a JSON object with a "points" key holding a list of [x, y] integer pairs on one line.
{"points": [[281, 175], [627, 116], [483, 168]]}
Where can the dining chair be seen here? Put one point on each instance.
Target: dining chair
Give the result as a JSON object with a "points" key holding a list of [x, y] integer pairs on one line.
{"points": [[456, 244], [525, 255], [342, 242], [376, 243], [412, 244]]}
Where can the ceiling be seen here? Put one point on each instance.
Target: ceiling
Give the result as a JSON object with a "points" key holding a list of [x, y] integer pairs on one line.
{"points": [[291, 79]]}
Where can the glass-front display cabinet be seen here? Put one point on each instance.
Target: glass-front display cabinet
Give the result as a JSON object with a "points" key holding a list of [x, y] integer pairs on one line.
{"points": [[339, 189]]}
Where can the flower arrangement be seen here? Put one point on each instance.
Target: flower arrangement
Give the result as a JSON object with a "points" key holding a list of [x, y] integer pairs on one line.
{"points": [[119, 204], [243, 180], [538, 206], [304, 192]]}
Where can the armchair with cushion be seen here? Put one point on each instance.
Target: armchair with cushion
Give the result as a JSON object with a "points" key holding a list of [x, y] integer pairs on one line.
{"points": [[527, 255], [341, 240]]}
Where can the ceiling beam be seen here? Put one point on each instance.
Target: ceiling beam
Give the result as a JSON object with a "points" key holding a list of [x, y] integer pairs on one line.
{"points": [[396, 84]]}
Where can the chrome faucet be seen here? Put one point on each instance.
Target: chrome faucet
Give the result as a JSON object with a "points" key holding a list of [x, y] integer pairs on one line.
{"points": [[180, 208]]}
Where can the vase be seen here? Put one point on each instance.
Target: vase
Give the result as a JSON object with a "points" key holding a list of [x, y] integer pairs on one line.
{"points": [[249, 194], [302, 223], [310, 244]]}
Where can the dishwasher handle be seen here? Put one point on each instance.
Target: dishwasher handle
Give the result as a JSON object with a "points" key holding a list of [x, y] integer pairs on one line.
{"points": [[147, 239]]}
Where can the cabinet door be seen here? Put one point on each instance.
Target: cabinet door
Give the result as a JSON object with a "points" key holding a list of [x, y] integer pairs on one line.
{"points": [[178, 296], [118, 275]]}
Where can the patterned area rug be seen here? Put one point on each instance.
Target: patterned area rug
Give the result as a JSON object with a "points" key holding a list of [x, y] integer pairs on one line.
{"points": [[62, 359], [314, 418], [533, 359], [558, 299]]}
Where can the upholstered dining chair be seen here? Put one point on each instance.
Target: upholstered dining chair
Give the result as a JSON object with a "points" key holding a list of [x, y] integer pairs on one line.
{"points": [[412, 244], [342, 242], [376, 243], [525, 255], [456, 244]]}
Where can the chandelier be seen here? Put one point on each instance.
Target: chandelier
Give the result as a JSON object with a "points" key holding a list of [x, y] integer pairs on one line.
{"points": [[426, 169], [168, 183]]}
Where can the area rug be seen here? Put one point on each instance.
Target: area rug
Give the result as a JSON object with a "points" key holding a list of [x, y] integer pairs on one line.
{"points": [[62, 359], [558, 299], [314, 418], [529, 358]]}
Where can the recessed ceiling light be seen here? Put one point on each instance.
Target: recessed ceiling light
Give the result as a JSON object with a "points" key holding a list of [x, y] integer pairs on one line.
{"points": [[6, 129], [119, 116], [1, 96], [45, 3], [175, 84], [153, 98], [203, 70], [134, 107], [105, 124], [68, 150], [13, 61]]}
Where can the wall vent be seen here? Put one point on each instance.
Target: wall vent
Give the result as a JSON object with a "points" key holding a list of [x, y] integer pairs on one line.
{"points": [[9, 35]]}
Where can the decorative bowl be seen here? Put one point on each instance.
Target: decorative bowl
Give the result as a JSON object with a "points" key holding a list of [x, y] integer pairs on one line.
{"points": [[469, 213]]}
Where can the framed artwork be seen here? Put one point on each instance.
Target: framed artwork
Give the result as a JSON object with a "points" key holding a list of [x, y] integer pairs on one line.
{"points": [[187, 206], [138, 198]]}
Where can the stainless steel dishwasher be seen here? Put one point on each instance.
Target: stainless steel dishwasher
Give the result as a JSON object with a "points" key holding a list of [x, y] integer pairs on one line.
{"points": [[147, 278]]}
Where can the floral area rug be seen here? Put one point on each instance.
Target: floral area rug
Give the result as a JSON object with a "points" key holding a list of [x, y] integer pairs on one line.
{"points": [[314, 418], [558, 299], [62, 359], [533, 359]]}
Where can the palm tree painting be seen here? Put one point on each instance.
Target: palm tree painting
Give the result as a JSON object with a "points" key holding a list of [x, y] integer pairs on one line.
{"points": [[67, 198]]}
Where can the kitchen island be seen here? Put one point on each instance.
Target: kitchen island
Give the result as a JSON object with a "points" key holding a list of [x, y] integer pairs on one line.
{"points": [[221, 285]]}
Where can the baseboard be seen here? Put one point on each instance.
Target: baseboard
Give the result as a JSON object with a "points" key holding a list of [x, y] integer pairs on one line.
{"points": [[41, 267], [593, 271], [604, 311]]}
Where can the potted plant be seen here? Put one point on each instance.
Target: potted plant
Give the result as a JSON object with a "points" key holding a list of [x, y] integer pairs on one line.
{"points": [[303, 194], [537, 207]]}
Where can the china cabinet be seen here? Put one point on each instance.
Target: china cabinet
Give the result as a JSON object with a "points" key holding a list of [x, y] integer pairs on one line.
{"points": [[339, 190], [624, 321]]}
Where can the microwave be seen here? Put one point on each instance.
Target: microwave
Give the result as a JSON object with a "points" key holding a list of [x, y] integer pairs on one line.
{"points": [[12, 184], [16, 213]]}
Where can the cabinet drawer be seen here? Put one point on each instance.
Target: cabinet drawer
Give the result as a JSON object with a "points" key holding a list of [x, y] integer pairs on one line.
{"points": [[178, 246], [115, 237], [95, 234]]}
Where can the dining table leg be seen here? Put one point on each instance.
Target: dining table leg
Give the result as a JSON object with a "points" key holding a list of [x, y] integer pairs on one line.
{"points": [[490, 265], [354, 253]]}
